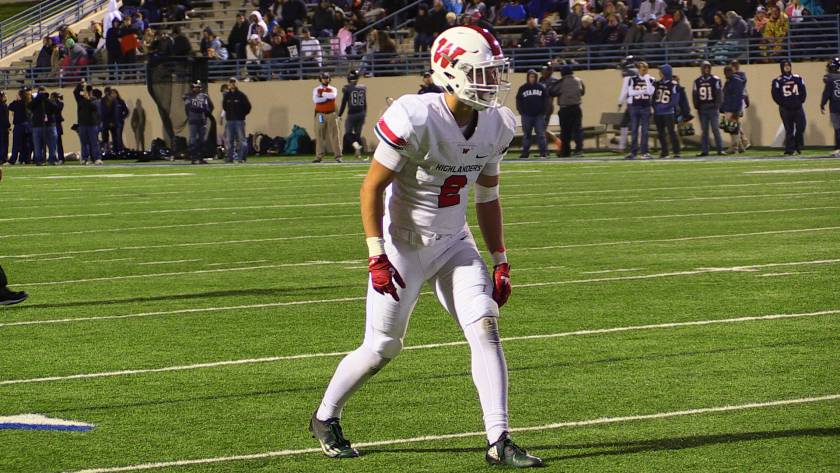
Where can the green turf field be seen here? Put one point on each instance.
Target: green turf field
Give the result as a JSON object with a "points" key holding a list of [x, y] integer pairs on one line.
{"points": [[195, 314]]}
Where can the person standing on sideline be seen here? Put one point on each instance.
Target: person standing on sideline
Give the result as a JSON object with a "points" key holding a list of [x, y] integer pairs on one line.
{"points": [[138, 125], [326, 124], [708, 96], [531, 103], [830, 96], [7, 296], [354, 100], [4, 129], [550, 82], [571, 90], [666, 99], [742, 134], [58, 99], [44, 136], [636, 92], [428, 86], [88, 120], [789, 94], [236, 107], [22, 131], [198, 107], [120, 114], [733, 107]]}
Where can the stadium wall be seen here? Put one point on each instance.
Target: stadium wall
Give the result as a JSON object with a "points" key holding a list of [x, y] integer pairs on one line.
{"points": [[278, 105]]}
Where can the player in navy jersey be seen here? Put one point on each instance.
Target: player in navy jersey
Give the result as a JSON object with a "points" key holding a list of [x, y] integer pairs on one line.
{"points": [[707, 100], [789, 94], [831, 97], [637, 92], [666, 99], [354, 100]]}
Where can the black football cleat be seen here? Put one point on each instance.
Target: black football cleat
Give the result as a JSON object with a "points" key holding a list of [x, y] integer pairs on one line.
{"points": [[8, 297], [505, 452], [329, 435]]}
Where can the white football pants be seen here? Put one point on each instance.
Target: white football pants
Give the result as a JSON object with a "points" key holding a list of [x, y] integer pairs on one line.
{"points": [[457, 274]]}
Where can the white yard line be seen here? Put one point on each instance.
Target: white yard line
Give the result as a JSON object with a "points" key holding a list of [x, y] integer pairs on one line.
{"points": [[243, 262], [169, 262], [794, 171], [45, 259], [622, 270], [707, 214], [270, 359], [431, 438], [670, 240], [789, 273]]}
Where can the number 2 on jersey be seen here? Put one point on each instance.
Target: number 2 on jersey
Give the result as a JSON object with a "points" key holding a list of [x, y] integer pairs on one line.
{"points": [[450, 191]]}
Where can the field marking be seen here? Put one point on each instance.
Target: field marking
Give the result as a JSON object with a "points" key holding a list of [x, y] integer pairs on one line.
{"points": [[789, 273], [45, 259], [707, 186], [239, 262], [706, 214], [169, 261], [106, 176], [430, 438], [270, 359], [184, 225], [622, 270], [793, 171], [751, 268], [181, 273], [670, 240]]}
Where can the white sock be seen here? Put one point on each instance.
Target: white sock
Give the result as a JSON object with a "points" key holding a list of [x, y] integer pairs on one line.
{"points": [[489, 372], [622, 139], [353, 371]]}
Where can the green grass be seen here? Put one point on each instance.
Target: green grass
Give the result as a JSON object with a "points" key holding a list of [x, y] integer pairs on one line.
{"points": [[622, 244]]}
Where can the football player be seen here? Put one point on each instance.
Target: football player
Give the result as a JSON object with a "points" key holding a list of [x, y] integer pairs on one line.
{"points": [[433, 148], [789, 93], [831, 97], [7, 296], [354, 100]]}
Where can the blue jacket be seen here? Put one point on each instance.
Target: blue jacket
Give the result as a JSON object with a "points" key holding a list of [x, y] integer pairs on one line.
{"points": [[831, 92], [666, 96], [531, 99], [733, 94], [789, 91]]}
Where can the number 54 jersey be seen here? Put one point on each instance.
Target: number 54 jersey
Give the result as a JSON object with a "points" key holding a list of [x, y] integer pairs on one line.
{"points": [[436, 162]]}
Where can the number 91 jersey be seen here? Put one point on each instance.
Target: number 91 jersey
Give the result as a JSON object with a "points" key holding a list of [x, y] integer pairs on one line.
{"points": [[436, 162]]}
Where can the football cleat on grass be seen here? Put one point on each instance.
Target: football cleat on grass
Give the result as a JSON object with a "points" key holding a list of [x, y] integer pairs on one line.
{"points": [[329, 435], [505, 452], [8, 297]]}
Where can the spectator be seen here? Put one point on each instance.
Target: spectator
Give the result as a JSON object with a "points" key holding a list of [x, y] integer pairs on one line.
{"points": [[428, 86], [795, 11], [181, 46], [531, 35], [454, 6], [635, 33], [323, 20], [293, 13], [344, 38], [236, 107], [215, 50], [87, 119], [654, 33], [736, 26], [438, 18], [112, 43], [680, 30], [162, 46], [573, 19], [571, 116], [96, 30], [256, 24], [473, 6], [758, 22], [717, 28], [44, 136], [238, 37], [198, 107], [138, 125], [254, 54], [451, 20], [588, 33], [648, 8], [530, 103], [513, 13], [44, 60], [284, 46], [129, 40], [4, 128], [310, 48], [614, 31], [22, 131], [775, 31], [548, 37], [424, 29], [120, 114]]}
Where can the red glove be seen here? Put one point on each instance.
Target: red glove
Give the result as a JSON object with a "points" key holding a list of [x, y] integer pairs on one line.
{"points": [[383, 275], [501, 283]]}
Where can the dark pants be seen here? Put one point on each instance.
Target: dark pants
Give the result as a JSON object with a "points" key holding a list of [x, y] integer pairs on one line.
{"points": [[60, 142], [198, 131], [835, 122], [794, 121], [571, 118], [44, 138], [117, 137], [4, 145], [709, 118], [3, 281], [422, 42], [236, 140], [639, 119], [533, 123], [666, 130], [21, 144], [89, 139]]}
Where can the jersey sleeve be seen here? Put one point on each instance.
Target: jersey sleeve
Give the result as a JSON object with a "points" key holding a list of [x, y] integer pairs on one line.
{"points": [[396, 130], [507, 128]]}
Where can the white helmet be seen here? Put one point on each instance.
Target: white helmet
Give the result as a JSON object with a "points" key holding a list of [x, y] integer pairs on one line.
{"points": [[468, 62]]}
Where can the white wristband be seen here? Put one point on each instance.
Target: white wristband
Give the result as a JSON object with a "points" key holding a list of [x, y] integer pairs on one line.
{"points": [[499, 257], [486, 194], [376, 246]]}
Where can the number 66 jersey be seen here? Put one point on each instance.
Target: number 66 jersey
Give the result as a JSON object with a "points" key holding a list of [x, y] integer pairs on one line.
{"points": [[436, 162]]}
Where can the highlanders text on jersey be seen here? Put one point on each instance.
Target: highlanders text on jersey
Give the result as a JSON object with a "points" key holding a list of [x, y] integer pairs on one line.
{"points": [[435, 163]]}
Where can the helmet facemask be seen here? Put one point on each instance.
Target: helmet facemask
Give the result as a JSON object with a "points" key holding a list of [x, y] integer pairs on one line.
{"points": [[487, 84]]}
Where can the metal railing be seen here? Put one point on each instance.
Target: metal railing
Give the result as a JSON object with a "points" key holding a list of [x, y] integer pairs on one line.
{"points": [[40, 20], [806, 41]]}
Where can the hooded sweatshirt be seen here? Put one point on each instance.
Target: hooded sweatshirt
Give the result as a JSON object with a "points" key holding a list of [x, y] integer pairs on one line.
{"points": [[733, 93], [252, 28], [666, 97], [831, 92], [789, 89]]}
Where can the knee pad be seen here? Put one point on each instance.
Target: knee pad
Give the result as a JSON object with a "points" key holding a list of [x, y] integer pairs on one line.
{"points": [[484, 330], [386, 346]]}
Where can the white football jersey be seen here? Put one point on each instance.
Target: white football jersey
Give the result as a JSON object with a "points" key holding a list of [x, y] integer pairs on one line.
{"points": [[435, 163]]}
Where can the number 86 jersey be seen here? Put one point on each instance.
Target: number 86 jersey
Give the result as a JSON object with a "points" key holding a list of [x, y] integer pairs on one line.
{"points": [[436, 162]]}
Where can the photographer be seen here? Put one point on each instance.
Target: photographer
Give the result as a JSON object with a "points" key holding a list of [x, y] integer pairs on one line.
{"points": [[43, 127], [88, 121]]}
